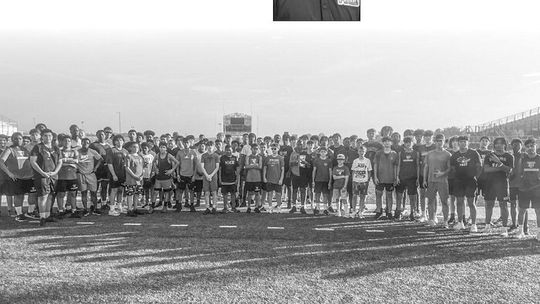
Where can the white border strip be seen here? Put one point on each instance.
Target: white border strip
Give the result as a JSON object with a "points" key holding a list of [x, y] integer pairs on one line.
{"points": [[378, 231], [85, 223], [276, 228], [324, 229], [132, 224], [179, 225], [228, 227]]}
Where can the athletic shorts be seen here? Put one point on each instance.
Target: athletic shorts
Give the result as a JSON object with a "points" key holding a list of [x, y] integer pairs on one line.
{"points": [[482, 186], [384, 186], [133, 190], [437, 187], [185, 183], [87, 182], [210, 186], [165, 184], [65, 185], [360, 188], [44, 186], [2, 182], [299, 181], [117, 184], [273, 187], [497, 190], [228, 189], [102, 173], [514, 192], [451, 186], [340, 193], [421, 182], [321, 187], [252, 186], [408, 184], [529, 199], [147, 184], [465, 187], [19, 187], [263, 186], [197, 186]]}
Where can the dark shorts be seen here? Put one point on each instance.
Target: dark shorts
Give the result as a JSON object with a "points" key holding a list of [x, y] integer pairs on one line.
{"points": [[228, 189], [147, 184], [18, 187], [321, 187], [360, 188], [529, 199], [269, 187], [408, 184], [299, 181], [102, 173], [65, 185], [465, 187], [451, 187], [133, 190], [44, 186], [497, 190], [117, 184], [482, 186], [185, 183], [253, 186], [383, 186], [514, 192], [197, 186]]}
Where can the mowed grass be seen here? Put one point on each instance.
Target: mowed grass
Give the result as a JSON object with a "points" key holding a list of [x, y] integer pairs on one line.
{"points": [[108, 262]]}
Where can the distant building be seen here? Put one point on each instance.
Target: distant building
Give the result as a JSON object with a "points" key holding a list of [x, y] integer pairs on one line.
{"points": [[8, 126], [237, 124]]}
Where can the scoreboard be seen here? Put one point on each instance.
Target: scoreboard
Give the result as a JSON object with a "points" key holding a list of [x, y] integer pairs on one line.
{"points": [[237, 124]]}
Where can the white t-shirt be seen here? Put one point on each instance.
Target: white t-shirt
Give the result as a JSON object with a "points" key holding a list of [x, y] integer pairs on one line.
{"points": [[360, 170], [148, 159]]}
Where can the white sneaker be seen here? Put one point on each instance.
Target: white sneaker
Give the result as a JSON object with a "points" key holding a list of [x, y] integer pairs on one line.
{"points": [[473, 228], [487, 229], [114, 212], [459, 226], [520, 235], [338, 213], [538, 236], [432, 223], [422, 219]]}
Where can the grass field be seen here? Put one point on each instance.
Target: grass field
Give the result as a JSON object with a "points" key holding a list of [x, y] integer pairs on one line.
{"points": [[303, 259]]}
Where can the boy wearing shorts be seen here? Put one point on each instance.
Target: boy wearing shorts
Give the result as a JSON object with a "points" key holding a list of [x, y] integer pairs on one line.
{"points": [[322, 171], [361, 173], [408, 174], [164, 166], [209, 166], [134, 177], [229, 177], [273, 174], [116, 162], [89, 161], [529, 190], [253, 167], [340, 176]]}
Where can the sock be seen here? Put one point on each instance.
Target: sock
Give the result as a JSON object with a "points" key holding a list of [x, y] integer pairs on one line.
{"points": [[18, 210], [42, 215], [31, 208]]}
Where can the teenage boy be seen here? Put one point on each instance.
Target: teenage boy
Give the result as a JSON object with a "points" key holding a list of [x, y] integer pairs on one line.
{"points": [[300, 165], [423, 150], [361, 173], [102, 172], [285, 151], [45, 161], [515, 181], [385, 178], [209, 166], [483, 151], [467, 166], [187, 159], [322, 171], [436, 168], [134, 177], [89, 161], [229, 177], [197, 175], [529, 189], [340, 176], [273, 174], [408, 174], [164, 166], [116, 162], [497, 167], [253, 167], [15, 163], [452, 148], [147, 184], [67, 177]]}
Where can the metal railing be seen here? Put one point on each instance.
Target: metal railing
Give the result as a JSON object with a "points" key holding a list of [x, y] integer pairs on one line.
{"points": [[505, 120], [8, 126]]}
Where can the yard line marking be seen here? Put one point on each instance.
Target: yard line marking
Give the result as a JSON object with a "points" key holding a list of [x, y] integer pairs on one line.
{"points": [[425, 232], [303, 218], [374, 230], [324, 229], [227, 227], [34, 222], [85, 223], [132, 224], [276, 228], [179, 225]]}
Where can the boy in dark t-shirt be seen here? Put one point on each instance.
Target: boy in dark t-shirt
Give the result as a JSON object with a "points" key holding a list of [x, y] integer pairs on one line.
{"points": [[322, 172], [116, 162], [340, 176], [385, 177], [229, 177], [253, 167], [273, 174]]}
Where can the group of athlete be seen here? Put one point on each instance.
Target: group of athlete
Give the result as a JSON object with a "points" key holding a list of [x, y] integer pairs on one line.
{"points": [[141, 173]]}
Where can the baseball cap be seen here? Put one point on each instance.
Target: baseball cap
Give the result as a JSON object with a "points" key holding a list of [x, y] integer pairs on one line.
{"points": [[341, 156]]}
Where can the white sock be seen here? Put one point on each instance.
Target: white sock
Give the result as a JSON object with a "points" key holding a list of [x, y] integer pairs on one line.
{"points": [[18, 210], [31, 208]]}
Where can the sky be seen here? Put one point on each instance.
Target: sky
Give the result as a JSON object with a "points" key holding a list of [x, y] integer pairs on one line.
{"points": [[179, 65]]}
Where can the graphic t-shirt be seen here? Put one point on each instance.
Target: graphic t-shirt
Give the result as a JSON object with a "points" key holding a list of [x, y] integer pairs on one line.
{"points": [[423, 150], [273, 165], [465, 164], [483, 154], [187, 162], [18, 163], [101, 149], [47, 158], [87, 160], [360, 170], [530, 170], [286, 152], [408, 164], [386, 163], [148, 160], [500, 176], [323, 165], [68, 171], [117, 158], [340, 171], [229, 166], [135, 163], [253, 174]]}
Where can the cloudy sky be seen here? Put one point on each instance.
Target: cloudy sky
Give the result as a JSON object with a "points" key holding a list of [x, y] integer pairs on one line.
{"points": [[172, 67]]}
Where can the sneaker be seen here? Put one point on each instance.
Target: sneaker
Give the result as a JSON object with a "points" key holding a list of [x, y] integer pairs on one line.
{"points": [[473, 228], [520, 235], [316, 212], [330, 209], [42, 222], [32, 216], [213, 211], [169, 205], [130, 213], [50, 219], [262, 209], [445, 225], [326, 212], [431, 223], [303, 210], [207, 211], [248, 210], [256, 210], [192, 209], [411, 217], [235, 210], [158, 205], [422, 219], [21, 218], [243, 204], [487, 229], [293, 209], [225, 211], [105, 207], [75, 215], [164, 209], [186, 204], [459, 226], [114, 212], [145, 205], [85, 213], [377, 215], [178, 207], [389, 215], [397, 215], [270, 210], [150, 210], [452, 219]]}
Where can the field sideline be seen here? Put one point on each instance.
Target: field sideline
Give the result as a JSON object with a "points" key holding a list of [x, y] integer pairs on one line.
{"points": [[302, 258]]}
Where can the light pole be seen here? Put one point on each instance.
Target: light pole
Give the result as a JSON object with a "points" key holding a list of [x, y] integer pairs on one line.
{"points": [[119, 123]]}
